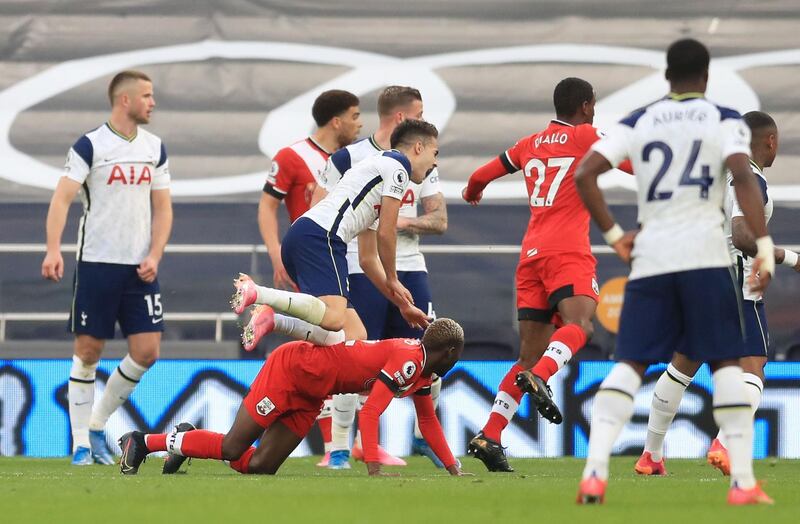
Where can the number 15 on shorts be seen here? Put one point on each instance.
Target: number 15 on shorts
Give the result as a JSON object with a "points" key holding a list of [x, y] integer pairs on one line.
{"points": [[154, 308]]}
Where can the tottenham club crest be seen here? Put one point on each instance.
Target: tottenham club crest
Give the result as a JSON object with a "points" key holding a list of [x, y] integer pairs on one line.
{"points": [[409, 368], [264, 407]]}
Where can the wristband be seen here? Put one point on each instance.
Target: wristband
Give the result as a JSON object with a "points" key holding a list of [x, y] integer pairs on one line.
{"points": [[766, 253], [789, 258], [613, 235]]}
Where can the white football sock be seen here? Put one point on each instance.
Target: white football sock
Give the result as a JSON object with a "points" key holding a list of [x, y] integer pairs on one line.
{"points": [[300, 305], [754, 387], [612, 409], [734, 416], [327, 410], [302, 330], [667, 397], [118, 388], [80, 396], [436, 389], [344, 413]]}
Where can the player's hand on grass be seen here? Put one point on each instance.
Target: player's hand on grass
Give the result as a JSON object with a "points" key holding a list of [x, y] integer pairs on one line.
{"points": [[415, 317], [148, 269], [624, 246], [455, 471], [374, 470], [471, 199], [53, 266], [758, 280]]}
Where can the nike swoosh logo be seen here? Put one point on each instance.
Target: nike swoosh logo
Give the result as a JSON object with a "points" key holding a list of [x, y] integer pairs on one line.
{"points": [[81, 403], [156, 321]]}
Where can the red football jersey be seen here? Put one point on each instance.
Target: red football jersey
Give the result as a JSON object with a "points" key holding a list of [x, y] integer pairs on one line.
{"points": [[559, 221], [293, 175]]}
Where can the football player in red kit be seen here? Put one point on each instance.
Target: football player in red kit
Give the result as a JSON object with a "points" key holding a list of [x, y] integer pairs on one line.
{"points": [[286, 396], [556, 286]]}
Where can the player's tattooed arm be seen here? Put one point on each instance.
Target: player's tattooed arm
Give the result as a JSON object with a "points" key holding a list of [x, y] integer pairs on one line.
{"points": [[432, 222]]}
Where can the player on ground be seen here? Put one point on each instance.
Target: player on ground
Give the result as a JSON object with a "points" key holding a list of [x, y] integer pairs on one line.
{"points": [[555, 278], [292, 179], [287, 395], [681, 292], [381, 318], [314, 248], [680, 372], [121, 171]]}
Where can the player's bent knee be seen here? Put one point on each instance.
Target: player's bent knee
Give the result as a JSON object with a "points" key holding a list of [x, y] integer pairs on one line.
{"points": [[261, 467], [233, 450]]}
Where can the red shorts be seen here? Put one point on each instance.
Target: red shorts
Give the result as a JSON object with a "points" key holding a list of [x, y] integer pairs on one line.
{"points": [[545, 280], [274, 395]]}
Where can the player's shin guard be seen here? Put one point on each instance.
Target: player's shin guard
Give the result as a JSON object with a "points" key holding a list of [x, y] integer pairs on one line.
{"points": [[506, 403], [344, 413], [302, 330], [118, 388], [667, 397], [80, 394], [733, 414], [300, 305], [612, 409], [436, 390], [565, 342], [754, 387]]}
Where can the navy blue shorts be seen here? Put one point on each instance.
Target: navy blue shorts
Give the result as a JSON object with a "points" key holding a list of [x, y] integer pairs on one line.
{"points": [[755, 329], [697, 313], [104, 294], [315, 259], [382, 318]]}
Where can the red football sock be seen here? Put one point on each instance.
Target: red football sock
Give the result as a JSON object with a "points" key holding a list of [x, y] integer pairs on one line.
{"points": [[565, 342], [156, 442], [503, 410], [325, 428], [199, 443], [242, 462]]}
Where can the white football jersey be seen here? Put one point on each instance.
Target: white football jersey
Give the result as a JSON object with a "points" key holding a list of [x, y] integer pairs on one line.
{"points": [[743, 263], [678, 147], [409, 257], [117, 175], [353, 205]]}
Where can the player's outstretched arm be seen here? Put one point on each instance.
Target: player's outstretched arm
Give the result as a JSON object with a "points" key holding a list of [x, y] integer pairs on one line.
{"points": [[387, 247], [590, 168], [482, 177], [368, 419], [748, 195], [433, 434], [53, 263], [160, 231], [433, 221]]}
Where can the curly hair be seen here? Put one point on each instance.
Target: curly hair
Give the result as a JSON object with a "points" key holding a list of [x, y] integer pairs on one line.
{"points": [[443, 332]]}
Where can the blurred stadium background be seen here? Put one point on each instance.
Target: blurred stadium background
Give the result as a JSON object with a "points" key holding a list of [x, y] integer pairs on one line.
{"points": [[234, 80]]}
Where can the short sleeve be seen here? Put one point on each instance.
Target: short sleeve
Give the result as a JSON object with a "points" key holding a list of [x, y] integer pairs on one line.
{"points": [[282, 173], [403, 368], [162, 177], [735, 137], [430, 186], [615, 146], [395, 178], [79, 160]]}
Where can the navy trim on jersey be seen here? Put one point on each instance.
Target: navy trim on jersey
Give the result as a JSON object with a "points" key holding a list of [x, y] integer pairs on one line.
{"points": [[85, 219], [163, 157], [273, 191], [510, 168], [342, 210], [634, 117], [763, 185], [85, 149], [342, 161], [367, 188], [726, 112], [400, 157], [374, 143]]}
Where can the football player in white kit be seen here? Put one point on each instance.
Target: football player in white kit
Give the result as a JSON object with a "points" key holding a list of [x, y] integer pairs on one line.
{"points": [[381, 318], [314, 249], [673, 382], [121, 171], [681, 293]]}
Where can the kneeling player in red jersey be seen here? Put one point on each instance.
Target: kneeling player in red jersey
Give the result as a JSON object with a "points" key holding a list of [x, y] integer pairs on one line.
{"points": [[287, 395], [556, 285]]}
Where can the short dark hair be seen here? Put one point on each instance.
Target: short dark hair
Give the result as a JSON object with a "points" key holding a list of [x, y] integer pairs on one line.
{"points": [[759, 121], [331, 104], [687, 59], [570, 94], [394, 97], [122, 77], [410, 131]]}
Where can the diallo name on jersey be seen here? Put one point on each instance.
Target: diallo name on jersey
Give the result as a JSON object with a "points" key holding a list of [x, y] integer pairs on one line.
{"points": [[553, 138]]}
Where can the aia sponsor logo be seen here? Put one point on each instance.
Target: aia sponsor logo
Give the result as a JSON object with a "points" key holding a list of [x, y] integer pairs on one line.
{"points": [[130, 176]]}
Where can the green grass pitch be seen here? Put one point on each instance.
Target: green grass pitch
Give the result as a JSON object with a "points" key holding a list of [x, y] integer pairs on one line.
{"points": [[541, 491]]}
